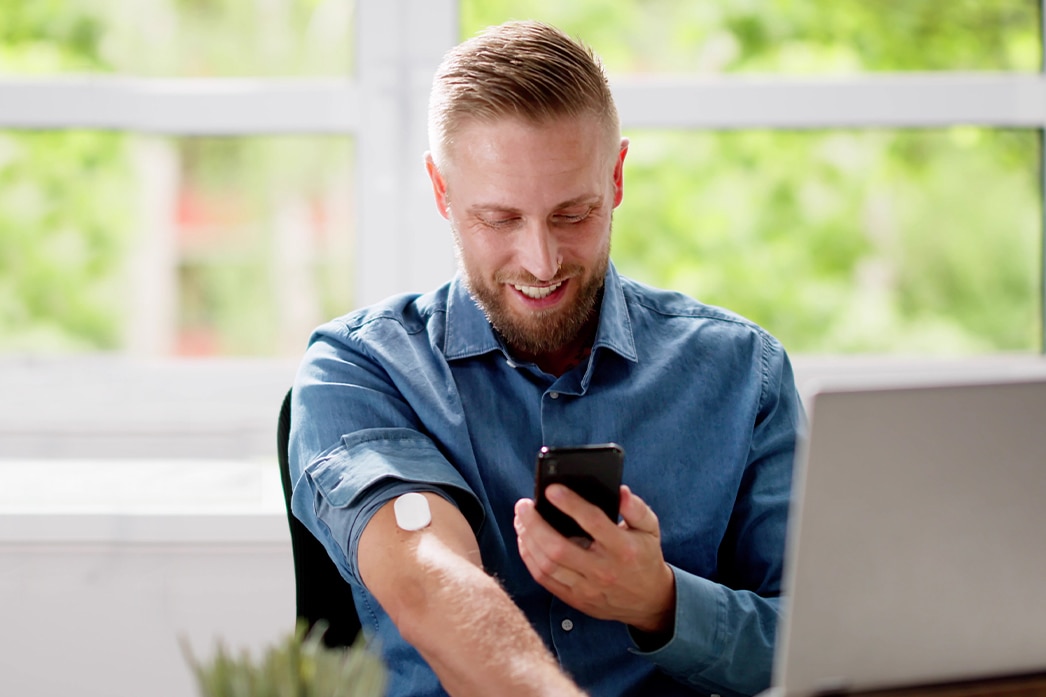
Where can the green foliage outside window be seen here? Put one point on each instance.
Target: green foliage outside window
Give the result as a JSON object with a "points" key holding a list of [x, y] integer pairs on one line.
{"points": [[177, 38], [64, 218], [776, 37], [847, 241]]}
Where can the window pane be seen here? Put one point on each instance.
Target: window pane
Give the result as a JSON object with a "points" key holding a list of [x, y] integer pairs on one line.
{"points": [[64, 233], [923, 242], [787, 37], [177, 38], [187, 246], [264, 250]]}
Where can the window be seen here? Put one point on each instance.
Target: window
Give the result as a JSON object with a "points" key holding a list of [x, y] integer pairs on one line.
{"points": [[211, 178]]}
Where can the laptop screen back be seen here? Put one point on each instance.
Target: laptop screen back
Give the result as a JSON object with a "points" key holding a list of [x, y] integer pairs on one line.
{"points": [[917, 546]]}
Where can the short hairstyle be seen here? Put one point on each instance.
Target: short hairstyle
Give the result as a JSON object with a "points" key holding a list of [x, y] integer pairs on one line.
{"points": [[525, 70]]}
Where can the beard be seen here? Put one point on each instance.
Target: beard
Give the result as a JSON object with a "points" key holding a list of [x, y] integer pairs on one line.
{"points": [[544, 331]]}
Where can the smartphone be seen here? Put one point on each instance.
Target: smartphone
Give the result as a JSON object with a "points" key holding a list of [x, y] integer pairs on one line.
{"points": [[593, 471]]}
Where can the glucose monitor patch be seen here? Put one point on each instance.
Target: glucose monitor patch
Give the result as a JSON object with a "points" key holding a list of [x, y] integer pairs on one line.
{"points": [[412, 512]]}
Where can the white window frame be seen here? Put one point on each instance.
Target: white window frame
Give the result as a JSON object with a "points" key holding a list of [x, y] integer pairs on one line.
{"points": [[402, 243]]}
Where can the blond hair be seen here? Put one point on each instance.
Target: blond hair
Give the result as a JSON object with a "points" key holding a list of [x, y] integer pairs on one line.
{"points": [[524, 70]]}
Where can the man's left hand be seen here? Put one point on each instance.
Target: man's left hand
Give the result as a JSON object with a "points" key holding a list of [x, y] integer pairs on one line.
{"points": [[622, 575]]}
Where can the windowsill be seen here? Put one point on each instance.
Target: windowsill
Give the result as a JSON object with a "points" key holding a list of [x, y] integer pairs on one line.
{"points": [[141, 501]]}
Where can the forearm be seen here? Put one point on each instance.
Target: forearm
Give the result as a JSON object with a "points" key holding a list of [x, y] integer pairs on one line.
{"points": [[473, 636], [460, 620]]}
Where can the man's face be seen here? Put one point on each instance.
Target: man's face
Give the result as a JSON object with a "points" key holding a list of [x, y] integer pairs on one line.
{"points": [[530, 207]]}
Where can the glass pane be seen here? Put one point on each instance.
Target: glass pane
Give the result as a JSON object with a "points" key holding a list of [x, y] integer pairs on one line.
{"points": [[64, 235], [177, 38], [923, 242], [788, 37], [187, 246]]}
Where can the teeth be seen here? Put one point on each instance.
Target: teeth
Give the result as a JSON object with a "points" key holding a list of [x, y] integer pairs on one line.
{"points": [[537, 292]]}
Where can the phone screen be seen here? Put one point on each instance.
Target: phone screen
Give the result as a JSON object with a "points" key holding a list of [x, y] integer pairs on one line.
{"points": [[593, 471]]}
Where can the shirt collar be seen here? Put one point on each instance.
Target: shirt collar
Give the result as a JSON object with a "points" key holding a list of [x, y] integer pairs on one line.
{"points": [[615, 324], [469, 332]]}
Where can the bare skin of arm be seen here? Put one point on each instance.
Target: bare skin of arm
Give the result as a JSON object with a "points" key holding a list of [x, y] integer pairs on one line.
{"points": [[432, 584]]}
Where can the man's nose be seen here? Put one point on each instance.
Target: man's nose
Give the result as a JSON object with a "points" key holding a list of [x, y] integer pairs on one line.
{"points": [[539, 251]]}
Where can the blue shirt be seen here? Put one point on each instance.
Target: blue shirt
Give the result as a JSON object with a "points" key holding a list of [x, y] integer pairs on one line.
{"points": [[419, 393]]}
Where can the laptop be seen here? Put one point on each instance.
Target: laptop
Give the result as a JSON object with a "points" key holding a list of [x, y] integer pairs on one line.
{"points": [[917, 543]]}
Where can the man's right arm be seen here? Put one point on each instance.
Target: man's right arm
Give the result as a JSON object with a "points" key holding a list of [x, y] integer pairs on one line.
{"points": [[432, 584]]}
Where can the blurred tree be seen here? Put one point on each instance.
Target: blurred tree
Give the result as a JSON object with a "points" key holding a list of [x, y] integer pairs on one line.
{"points": [[63, 214]]}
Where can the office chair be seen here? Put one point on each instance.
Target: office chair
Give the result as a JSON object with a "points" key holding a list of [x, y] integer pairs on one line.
{"points": [[321, 593]]}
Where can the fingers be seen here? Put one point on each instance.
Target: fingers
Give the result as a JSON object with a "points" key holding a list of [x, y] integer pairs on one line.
{"points": [[637, 514], [590, 517], [550, 558], [622, 576]]}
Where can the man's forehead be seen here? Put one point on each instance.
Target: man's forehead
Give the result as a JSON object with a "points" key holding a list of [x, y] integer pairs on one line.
{"points": [[492, 132]]}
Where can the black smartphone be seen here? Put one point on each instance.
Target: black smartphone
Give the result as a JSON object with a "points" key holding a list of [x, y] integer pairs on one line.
{"points": [[593, 471]]}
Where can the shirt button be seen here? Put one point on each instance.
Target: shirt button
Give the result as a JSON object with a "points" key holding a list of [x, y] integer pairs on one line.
{"points": [[553, 395], [567, 625]]}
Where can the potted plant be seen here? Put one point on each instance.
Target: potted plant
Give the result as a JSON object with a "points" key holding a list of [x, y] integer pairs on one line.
{"points": [[298, 666]]}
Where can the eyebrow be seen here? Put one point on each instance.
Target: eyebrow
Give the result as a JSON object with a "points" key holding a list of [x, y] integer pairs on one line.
{"points": [[593, 200]]}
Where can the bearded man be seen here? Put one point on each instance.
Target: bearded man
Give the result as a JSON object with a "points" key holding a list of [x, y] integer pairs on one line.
{"points": [[539, 341]]}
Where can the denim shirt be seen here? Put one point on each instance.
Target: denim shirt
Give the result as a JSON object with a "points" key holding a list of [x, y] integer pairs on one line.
{"points": [[419, 393]]}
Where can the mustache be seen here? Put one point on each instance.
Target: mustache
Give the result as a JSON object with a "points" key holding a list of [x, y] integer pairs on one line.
{"points": [[527, 279]]}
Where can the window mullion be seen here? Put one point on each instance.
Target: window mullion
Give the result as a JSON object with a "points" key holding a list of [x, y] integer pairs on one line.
{"points": [[888, 100], [189, 106], [402, 243]]}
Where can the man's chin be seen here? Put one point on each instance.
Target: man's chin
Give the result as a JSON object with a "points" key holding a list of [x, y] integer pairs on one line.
{"points": [[540, 334], [537, 331]]}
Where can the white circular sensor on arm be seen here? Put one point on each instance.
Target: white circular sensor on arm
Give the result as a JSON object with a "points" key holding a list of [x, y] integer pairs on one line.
{"points": [[412, 512]]}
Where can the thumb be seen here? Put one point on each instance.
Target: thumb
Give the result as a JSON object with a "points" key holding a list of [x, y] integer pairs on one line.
{"points": [[637, 514]]}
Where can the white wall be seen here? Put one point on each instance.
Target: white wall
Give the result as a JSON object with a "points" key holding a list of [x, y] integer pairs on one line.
{"points": [[139, 503], [93, 602]]}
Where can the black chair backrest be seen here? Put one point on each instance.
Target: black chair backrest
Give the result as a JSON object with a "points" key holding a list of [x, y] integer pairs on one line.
{"points": [[321, 593]]}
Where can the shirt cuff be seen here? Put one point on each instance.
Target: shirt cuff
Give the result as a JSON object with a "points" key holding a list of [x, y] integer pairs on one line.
{"points": [[698, 634], [723, 639]]}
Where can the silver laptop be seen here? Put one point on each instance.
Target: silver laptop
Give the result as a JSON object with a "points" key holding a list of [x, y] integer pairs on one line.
{"points": [[917, 547]]}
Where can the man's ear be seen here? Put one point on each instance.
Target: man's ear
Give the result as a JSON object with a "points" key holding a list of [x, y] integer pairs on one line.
{"points": [[439, 186], [619, 173]]}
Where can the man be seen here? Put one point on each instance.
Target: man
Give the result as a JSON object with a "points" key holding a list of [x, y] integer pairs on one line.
{"points": [[538, 341]]}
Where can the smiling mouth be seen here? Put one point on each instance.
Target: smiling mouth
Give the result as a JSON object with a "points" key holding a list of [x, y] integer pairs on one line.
{"points": [[538, 292]]}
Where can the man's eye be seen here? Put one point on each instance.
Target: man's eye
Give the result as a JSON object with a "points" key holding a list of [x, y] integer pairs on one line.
{"points": [[571, 217], [499, 222]]}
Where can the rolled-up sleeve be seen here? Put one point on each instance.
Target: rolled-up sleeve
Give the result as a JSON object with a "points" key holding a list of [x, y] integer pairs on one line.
{"points": [[356, 443], [343, 489]]}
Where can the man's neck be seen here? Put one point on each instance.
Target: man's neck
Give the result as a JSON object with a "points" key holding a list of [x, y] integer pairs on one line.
{"points": [[569, 356]]}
